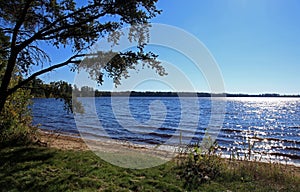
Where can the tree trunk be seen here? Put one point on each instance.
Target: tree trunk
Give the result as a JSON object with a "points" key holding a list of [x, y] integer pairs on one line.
{"points": [[6, 80], [3, 98]]}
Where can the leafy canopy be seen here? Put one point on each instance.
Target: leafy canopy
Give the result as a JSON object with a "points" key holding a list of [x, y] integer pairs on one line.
{"points": [[75, 26]]}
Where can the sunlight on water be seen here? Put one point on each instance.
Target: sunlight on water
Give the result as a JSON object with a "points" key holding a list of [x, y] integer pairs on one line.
{"points": [[269, 128]]}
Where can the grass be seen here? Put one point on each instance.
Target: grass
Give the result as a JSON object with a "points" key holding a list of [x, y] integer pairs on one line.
{"points": [[34, 168]]}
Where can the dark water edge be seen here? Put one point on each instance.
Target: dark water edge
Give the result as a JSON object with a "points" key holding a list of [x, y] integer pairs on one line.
{"points": [[272, 123]]}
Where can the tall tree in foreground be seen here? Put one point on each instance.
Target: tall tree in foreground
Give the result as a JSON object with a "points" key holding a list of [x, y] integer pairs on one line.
{"points": [[15, 118], [63, 23]]}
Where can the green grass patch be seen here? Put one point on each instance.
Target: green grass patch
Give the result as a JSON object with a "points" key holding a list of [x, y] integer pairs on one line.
{"points": [[34, 168]]}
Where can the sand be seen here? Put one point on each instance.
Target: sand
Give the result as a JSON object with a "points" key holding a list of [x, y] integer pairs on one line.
{"points": [[62, 141]]}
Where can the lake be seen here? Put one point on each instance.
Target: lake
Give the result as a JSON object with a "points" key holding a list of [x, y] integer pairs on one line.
{"points": [[271, 126]]}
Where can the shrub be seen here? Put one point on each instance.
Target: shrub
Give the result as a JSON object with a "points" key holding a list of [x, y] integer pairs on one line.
{"points": [[15, 119], [199, 165]]}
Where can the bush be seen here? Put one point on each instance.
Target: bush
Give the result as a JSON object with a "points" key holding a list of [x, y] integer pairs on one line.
{"points": [[199, 165], [16, 119]]}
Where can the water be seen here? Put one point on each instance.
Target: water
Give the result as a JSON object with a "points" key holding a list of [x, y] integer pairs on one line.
{"points": [[270, 126]]}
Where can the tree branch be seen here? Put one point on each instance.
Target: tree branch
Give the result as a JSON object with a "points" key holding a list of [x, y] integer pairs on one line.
{"points": [[47, 30], [19, 23], [24, 82]]}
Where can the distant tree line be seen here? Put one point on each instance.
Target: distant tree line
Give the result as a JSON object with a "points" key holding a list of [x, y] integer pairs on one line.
{"points": [[60, 89], [65, 90]]}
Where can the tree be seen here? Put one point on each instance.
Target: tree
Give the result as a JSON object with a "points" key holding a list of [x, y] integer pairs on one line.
{"points": [[63, 23], [15, 118]]}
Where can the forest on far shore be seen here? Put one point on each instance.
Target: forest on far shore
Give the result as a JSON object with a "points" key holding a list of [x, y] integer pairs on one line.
{"points": [[39, 89]]}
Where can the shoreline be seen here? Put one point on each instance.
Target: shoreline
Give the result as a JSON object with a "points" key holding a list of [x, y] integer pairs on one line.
{"points": [[62, 140], [65, 141], [69, 141]]}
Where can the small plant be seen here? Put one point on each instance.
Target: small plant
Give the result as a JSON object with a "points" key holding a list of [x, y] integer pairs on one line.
{"points": [[201, 164], [248, 148]]}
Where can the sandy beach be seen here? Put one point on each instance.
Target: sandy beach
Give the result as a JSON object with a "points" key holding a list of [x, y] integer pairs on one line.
{"points": [[119, 153], [62, 141], [75, 142]]}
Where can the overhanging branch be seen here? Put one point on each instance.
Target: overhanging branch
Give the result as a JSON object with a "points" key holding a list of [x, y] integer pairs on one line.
{"points": [[43, 33], [34, 75]]}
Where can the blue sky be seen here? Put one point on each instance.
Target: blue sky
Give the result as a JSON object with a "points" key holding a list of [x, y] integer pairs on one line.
{"points": [[256, 43]]}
